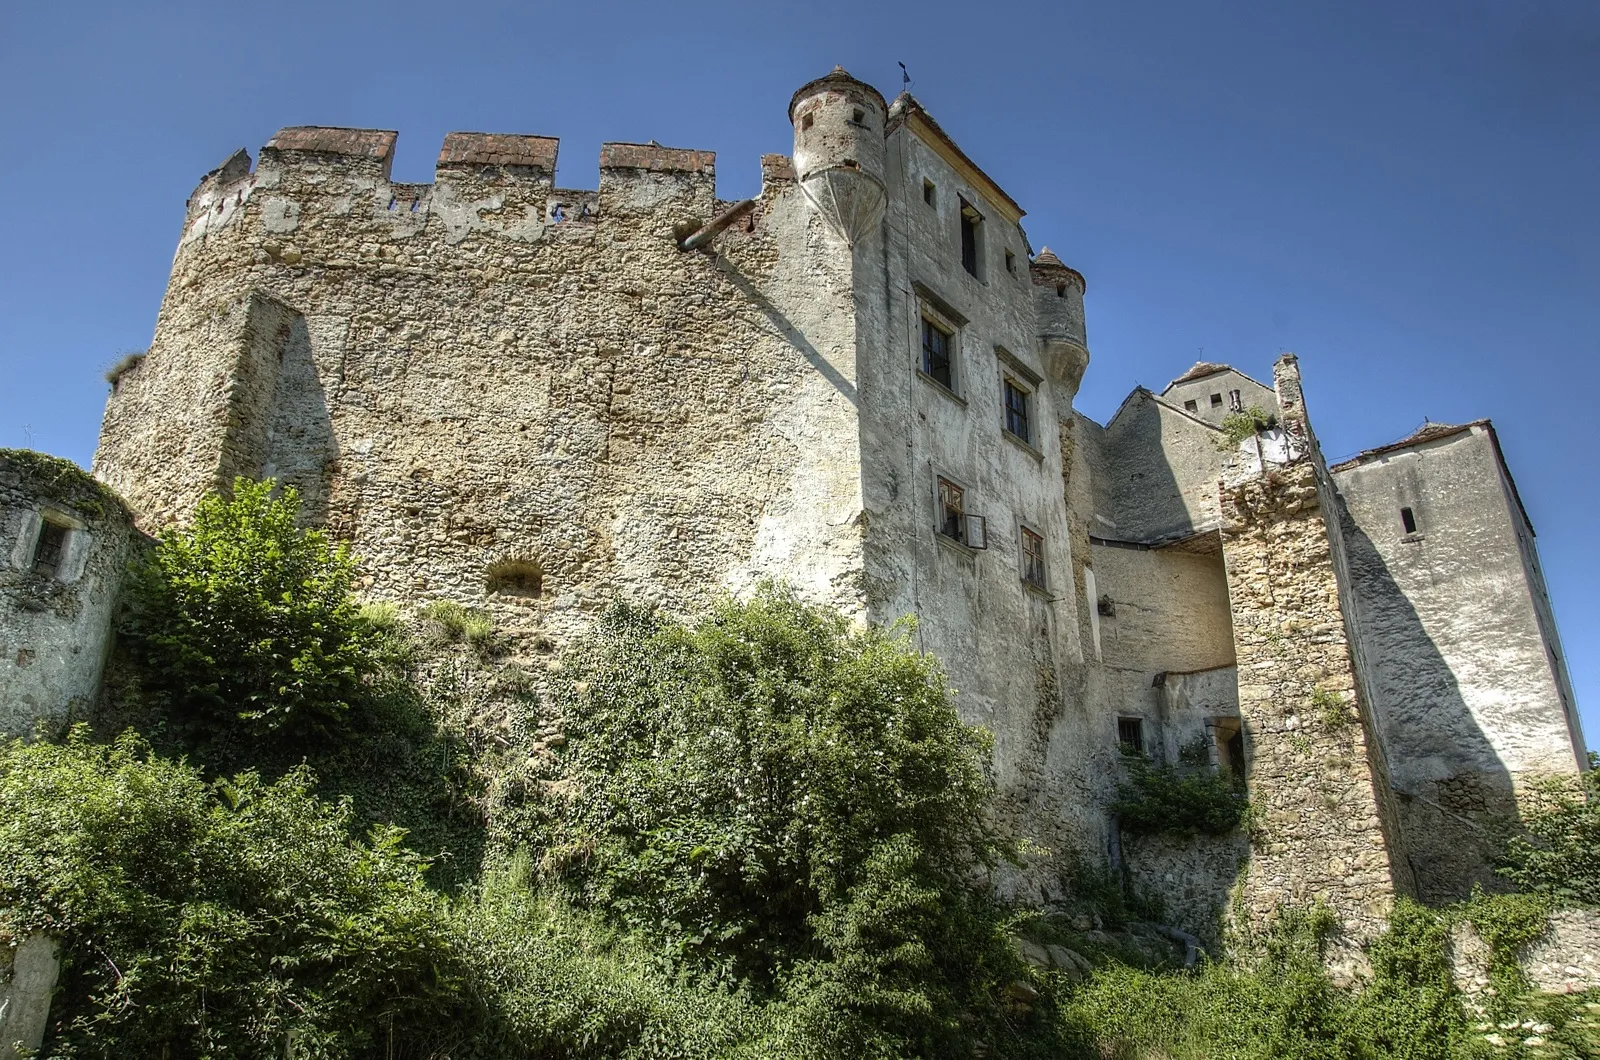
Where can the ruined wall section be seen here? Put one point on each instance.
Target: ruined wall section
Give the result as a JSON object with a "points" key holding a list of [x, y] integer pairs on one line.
{"points": [[1320, 833], [64, 544], [465, 383]]}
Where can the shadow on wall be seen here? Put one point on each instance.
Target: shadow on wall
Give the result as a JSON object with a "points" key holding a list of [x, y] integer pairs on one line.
{"points": [[1454, 797], [790, 334], [279, 423]]}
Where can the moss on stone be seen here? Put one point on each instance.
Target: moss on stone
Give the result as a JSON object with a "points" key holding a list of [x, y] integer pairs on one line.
{"points": [[56, 479]]}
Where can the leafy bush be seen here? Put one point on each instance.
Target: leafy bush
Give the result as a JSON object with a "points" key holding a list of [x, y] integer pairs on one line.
{"points": [[1180, 799], [1237, 426], [243, 623], [785, 802], [213, 919], [1559, 853]]}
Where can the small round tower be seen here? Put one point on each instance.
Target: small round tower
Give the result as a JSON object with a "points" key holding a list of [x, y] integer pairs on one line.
{"points": [[839, 151], [1058, 303]]}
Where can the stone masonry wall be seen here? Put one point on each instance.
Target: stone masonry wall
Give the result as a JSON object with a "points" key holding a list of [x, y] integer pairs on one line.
{"points": [[1318, 830], [489, 370]]}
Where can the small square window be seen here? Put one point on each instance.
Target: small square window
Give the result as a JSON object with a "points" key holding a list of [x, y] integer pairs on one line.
{"points": [[927, 191], [1216, 401], [1032, 558], [1130, 734], [50, 548], [1017, 400], [1191, 406], [936, 362], [1408, 519]]}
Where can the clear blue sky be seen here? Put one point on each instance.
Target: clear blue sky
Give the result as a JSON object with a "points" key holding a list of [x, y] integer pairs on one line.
{"points": [[1404, 194]]}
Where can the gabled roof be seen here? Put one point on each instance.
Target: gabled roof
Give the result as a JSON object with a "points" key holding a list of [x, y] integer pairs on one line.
{"points": [[1202, 369], [1140, 391], [905, 110], [1432, 432]]}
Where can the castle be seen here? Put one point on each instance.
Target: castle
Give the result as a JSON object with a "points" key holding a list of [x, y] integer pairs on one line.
{"points": [[536, 400]]}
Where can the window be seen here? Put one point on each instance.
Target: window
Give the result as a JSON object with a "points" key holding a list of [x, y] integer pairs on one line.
{"points": [[1130, 734], [1235, 402], [936, 353], [1011, 263], [1191, 406], [805, 121], [1017, 398], [1032, 558], [927, 191], [955, 522], [1216, 401], [50, 548], [857, 116], [971, 238], [1409, 518]]}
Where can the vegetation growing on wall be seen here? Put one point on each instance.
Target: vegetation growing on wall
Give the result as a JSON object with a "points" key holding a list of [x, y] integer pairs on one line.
{"points": [[756, 836], [1559, 852], [1187, 798], [1237, 426]]}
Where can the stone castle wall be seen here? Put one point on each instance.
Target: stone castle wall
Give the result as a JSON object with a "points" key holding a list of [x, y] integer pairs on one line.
{"points": [[459, 381]]}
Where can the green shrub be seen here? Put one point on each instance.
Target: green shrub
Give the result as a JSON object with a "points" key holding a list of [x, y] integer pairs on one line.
{"points": [[1559, 853], [213, 919], [1237, 426], [447, 622], [788, 803], [243, 623], [1179, 799]]}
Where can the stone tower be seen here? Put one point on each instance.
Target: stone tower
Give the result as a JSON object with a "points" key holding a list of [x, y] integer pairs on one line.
{"points": [[839, 151]]}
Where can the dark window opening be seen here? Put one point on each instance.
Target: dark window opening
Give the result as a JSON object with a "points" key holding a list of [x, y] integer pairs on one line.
{"points": [[1130, 734], [858, 116], [1191, 406], [1061, 290], [936, 354], [805, 121], [50, 548], [970, 221], [952, 512], [1409, 518], [1106, 606], [1216, 401], [516, 577], [1017, 411], [1032, 558], [1011, 263], [927, 191]]}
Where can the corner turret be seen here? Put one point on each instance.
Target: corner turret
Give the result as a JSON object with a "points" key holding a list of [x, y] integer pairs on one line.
{"points": [[1058, 303], [839, 151]]}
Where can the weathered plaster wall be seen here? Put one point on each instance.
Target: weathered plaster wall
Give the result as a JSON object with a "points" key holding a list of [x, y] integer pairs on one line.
{"points": [[1468, 692], [454, 378], [55, 625], [1162, 469], [1220, 384], [1566, 960], [1014, 653]]}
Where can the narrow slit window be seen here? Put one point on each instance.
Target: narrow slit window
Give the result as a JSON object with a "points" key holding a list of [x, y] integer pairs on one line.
{"points": [[805, 121], [1130, 734], [928, 191], [1011, 263], [49, 549], [971, 238], [936, 354], [1017, 411], [1409, 519], [1032, 558], [952, 510]]}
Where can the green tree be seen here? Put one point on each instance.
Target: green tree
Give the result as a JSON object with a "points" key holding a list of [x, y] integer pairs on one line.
{"points": [[786, 801], [243, 621], [214, 919]]}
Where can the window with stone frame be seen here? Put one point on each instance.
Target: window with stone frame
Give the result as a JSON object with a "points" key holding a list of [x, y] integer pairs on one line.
{"points": [[50, 548], [938, 343], [1130, 734], [1018, 403], [1033, 558], [953, 521]]}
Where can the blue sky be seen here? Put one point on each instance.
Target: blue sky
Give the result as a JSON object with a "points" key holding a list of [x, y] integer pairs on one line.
{"points": [[1403, 194]]}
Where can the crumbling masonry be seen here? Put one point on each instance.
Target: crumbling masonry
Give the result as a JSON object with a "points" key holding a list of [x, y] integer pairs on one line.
{"points": [[537, 399]]}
